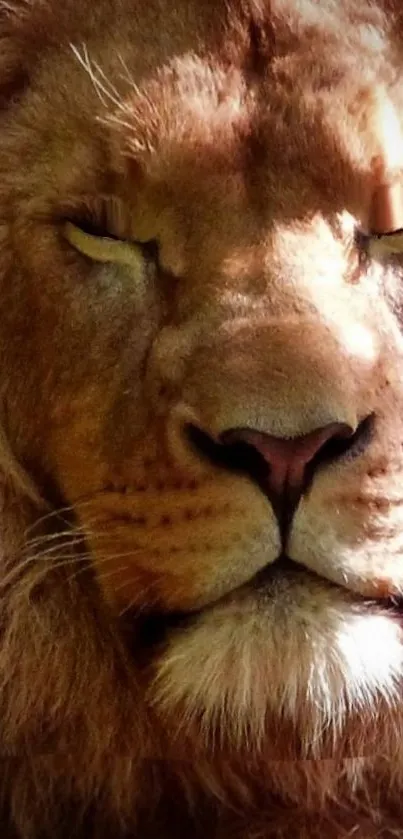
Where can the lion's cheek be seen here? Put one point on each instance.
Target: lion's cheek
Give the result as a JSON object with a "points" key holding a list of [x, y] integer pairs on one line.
{"points": [[180, 551], [349, 531]]}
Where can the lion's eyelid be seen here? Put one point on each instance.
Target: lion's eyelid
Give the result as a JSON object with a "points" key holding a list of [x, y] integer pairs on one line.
{"points": [[104, 250]]}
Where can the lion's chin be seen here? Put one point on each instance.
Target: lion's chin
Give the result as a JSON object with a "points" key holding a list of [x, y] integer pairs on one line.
{"points": [[290, 647]]}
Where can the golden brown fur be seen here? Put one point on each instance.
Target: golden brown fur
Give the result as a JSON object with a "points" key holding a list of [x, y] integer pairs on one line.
{"points": [[242, 136]]}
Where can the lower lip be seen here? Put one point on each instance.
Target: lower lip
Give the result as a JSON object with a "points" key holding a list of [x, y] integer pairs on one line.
{"points": [[151, 629]]}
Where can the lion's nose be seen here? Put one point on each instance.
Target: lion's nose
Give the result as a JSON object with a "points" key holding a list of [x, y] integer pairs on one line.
{"points": [[291, 463], [282, 467]]}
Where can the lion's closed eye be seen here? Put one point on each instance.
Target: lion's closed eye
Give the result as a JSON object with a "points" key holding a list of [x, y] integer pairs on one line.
{"points": [[104, 248]]}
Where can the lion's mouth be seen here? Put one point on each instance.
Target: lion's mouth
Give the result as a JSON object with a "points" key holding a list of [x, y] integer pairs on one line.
{"points": [[154, 628]]}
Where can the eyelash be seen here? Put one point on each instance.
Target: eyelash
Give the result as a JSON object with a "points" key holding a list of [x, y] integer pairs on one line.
{"points": [[92, 227], [105, 216]]}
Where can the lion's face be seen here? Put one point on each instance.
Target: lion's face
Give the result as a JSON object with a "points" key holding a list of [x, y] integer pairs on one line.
{"points": [[210, 373]]}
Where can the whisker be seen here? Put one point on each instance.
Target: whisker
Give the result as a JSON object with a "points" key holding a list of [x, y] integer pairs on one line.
{"points": [[31, 562], [107, 90], [50, 563], [136, 145], [118, 98], [69, 537], [140, 608], [127, 582], [28, 584], [144, 591], [72, 527], [113, 119], [127, 76], [115, 572], [55, 513], [87, 67], [44, 520], [59, 512]]}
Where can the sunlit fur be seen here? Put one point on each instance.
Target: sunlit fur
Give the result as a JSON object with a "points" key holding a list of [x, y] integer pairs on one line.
{"points": [[148, 688]]}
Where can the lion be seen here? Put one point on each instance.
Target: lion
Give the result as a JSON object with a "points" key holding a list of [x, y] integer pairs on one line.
{"points": [[201, 419]]}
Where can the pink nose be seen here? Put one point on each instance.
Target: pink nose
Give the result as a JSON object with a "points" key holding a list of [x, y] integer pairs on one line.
{"points": [[292, 462]]}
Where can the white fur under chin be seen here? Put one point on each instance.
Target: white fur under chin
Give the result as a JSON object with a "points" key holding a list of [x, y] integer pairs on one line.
{"points": [[301, 644]]}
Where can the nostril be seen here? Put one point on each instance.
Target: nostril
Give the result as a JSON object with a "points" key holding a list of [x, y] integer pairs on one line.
{"points": [[345, 443], [236, 456]]}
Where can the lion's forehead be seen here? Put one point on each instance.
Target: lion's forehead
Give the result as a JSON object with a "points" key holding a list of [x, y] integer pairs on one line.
{"points": [[219, 139], [225, 158], [202, 135]]}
